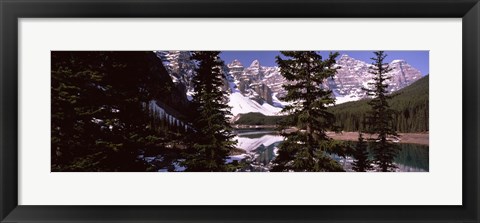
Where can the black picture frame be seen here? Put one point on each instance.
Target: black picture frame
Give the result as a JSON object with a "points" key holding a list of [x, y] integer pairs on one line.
{"points": [[11, 11]]}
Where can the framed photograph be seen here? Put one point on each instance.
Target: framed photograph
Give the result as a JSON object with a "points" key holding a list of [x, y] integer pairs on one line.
{"points": [[223, 111]]}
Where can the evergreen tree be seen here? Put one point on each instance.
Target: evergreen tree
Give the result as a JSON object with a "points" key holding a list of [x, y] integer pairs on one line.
{"points": [[213, 139], [72, 81], [307, 148], [410, 105], [100, 117], [380, 119], [360, 154]]}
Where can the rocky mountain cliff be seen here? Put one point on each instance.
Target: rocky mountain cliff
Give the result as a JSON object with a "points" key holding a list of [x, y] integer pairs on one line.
{"points": [[182, 70], [257, 88], [354, 74], [250, 80], [258, 81], [246, 91]]}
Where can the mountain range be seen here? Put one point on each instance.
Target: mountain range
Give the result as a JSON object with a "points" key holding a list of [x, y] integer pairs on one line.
{"points": [[258, 88], [410, 110]]}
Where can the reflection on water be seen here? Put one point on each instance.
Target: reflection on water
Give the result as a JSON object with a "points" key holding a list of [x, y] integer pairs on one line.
{"points": [[413, 158], [261, 146], [410, 158], [265, 154]]}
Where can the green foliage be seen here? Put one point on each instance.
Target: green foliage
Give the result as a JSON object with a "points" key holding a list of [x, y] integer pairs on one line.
{"points": [[255, 118], [100, 117], [360, 154], [410, 107], [379, 120], [213, 139], [305, 149]]}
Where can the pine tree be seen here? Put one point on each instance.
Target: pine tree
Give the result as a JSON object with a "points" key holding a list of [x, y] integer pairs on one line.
{"points": [[410, 105], [99, 109], [380, 119], [72, 83], [213, 139], [360, 154], [307, 148]]}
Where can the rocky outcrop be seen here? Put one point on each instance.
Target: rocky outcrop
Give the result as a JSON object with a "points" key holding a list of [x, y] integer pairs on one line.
{"points": [[354, 74], [181, 69], [351, 77], [264, 84], [264, 92], [250, 80]]}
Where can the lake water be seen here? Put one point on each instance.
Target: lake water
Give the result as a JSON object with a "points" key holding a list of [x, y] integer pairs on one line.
{"points": [[261, 147]]}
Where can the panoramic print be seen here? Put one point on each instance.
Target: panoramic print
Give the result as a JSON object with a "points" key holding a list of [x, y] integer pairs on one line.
{"points": [[240, 111]]}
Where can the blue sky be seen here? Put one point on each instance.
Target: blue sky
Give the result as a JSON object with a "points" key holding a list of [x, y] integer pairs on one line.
{"points": [[418, 59]]}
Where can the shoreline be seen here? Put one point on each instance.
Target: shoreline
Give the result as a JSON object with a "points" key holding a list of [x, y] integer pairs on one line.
{"points": [[413, 138]]}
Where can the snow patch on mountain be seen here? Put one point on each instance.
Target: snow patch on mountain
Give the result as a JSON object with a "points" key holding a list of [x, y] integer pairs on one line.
{"points": [[277, 102], [347, 98], [353, 75], [180, 67], [258, 88], [241, 105], [346, 85]]}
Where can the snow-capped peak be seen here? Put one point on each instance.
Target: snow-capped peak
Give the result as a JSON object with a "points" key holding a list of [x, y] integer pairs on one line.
{"points": [[255, 63], [235, 63], [355, 74], [242, 104], [398, 61]]}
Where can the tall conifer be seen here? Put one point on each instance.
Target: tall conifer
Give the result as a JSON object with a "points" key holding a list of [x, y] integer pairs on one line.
{"points": [[99, 113], [306, 148], [360, 154], [380, 118], [213, 139]]}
